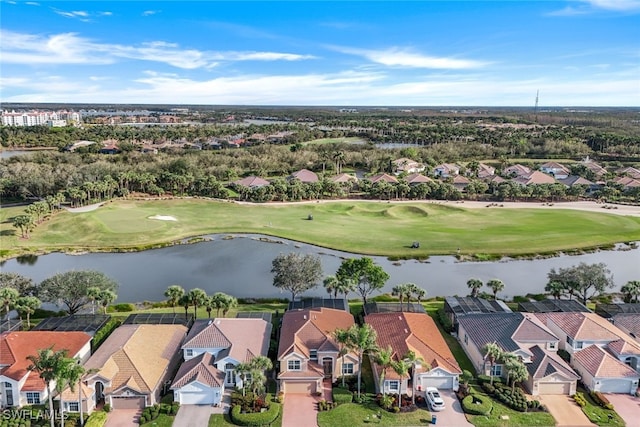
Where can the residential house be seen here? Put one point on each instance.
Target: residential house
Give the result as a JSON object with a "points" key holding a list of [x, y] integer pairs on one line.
{"points": [[525, 336], [18, 385], [383, 177], [417, 332], [556, 169], [605, 368], [344, 178], [516, 170], [304, 175], [212, 350], [629, 323], [485, 171], [460, 182], [417, 178], [405, 165], [574, 180], [630, 172], [446, 170], [598, 170], [456, 307], [308, 353], [535, 177], [627, 182], [133, 365], [252, 182]]}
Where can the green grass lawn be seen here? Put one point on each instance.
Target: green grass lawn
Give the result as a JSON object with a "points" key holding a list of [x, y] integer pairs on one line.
{"points": [[346, 226], [352, 414], [599, 415], [163, 420], [220, 420], [347, 140], [515, 418]]}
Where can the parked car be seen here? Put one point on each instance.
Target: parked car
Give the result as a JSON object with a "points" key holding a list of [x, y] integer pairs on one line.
{"points": [[434, 399]]}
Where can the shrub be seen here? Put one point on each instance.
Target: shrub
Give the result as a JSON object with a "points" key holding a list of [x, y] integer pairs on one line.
{"points": [[476, 404], [487, 379], [96, 419], [443, 319], [515, 399], [600, 399], [488, 388], [142, 420], [255, 419], [520, 298], [580, 399], [107, 407], [104, 332], [121, 307], [341, 396]]}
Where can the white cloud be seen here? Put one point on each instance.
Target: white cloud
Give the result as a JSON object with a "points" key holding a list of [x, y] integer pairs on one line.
{"points": [[618, 5], [396, 57], [70, 48], [150, 12], [32, 3]]}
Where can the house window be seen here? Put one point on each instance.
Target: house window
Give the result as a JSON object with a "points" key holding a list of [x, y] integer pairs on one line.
{"points": [[347, 369], [496, 370], [579, 345], [73, 407], [393, 386], [552, 346], [33, 398], [570, 341], [466, 339], [313, 354], [293, 365], [188, 352]]}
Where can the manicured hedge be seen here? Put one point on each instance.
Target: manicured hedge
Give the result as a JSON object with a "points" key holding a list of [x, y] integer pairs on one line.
{"points": [[96, 419], [255, 419], [476, 404], [341, 395], [515, 399]]}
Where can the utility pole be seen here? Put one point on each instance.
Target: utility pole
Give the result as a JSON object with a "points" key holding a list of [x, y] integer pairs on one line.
{"points": [[535, 110]]}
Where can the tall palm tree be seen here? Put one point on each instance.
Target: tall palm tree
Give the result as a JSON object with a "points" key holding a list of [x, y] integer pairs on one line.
{"points": [[493, 353], [496, 285], [362, 339], [401, 367], [48, 364], [331, 285], [413, 359], [8, 298], [555, 288], [105, 298], [400, 291], [92, 293], [341, 336], [197, 297], [242, 369], [173, 294], [228, 303], [384, 359], [474, 285], [70, 374], [28, 305], [631, 290], [418, 292], [185, 302]]}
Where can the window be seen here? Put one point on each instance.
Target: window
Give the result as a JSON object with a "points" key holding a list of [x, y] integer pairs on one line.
{"points": [[347, 369], [466, 339], [496, 370], [189, 352], [393, 386], [579, 345], [72, 407], [569, 341], [552, 346], [313, 354], [33, 398], [293, 365]]}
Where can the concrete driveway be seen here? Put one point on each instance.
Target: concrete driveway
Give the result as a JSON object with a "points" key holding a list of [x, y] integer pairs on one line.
{"points": [[300, 411], [193, 416], [123, 418], [452, 416], [566, 412], [627, 406]]}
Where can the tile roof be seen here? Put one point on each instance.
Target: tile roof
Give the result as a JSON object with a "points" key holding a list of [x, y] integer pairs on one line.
{"points": [[416, 332], [485, 171], [601, 364], [518, 170], [252, 181], [16, 346], [344, 177], [417, 178], [629, 322], [545, 363], [202, 369], [510, 331], [383, 177], [535, 177], [575, 180], [311, 328], [305, 175], [137, 355]]}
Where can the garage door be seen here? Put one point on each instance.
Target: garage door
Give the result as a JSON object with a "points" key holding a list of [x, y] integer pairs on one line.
{"points": [[444, 383], [554, 388], [196, 398], [127, 402], [614, 386], [300, 387]]}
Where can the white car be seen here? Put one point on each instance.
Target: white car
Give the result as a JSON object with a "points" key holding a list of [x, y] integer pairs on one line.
{"points": [[435, 400]]}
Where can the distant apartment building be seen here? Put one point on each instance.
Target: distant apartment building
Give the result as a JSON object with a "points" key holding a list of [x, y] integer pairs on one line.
{"points": [[39, 118]]}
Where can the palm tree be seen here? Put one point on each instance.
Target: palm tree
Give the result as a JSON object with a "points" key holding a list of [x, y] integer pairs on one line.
{"points": [[362, 339], [493, 353], [341, 336], [331, 285], [401, 367], [209, 305], [413, 359], [242, 369], [418, 292], [105, 298], [49, 365], [555, 288], [474, 285], [174, 293], [197, 297], [92, 293], [69, 375], [8, 298], [185, 302], [496, 285], [401, 291], [28, 305], [384, 359], [631, 290], [228, 303]]}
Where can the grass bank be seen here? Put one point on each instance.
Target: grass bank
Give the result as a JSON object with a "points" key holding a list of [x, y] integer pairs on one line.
{"points": [[370, 228]]}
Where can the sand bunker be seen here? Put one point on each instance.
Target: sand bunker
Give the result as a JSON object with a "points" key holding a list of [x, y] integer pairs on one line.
{"points": [[163, 217]]}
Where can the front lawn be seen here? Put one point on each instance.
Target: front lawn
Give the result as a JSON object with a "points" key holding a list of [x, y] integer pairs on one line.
{"points": [[515, 418], [224, 420], [352, 414], [599, 415], [163, 420]]}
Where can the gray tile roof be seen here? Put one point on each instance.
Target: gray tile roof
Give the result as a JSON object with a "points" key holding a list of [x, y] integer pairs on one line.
{"points": [[202, 369], [545, 363]]}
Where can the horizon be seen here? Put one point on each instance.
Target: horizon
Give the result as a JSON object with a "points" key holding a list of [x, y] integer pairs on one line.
{"points": [[367, 54]]}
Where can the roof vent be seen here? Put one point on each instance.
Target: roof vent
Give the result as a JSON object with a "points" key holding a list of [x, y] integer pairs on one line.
{"points": [[406, 331], [305, 317], [209, 322]]}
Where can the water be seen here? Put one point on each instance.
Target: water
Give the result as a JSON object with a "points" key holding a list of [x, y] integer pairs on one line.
{"points": [[5, 154], [241, 267]]}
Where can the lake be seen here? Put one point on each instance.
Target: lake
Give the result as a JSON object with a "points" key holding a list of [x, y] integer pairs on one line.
{"points": [[241, 267]]}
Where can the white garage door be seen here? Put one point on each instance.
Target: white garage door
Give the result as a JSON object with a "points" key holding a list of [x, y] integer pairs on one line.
{"points": [[197, 398], [444, 383], [554, 388], [127, 402], [300, 387], [614, 386]]}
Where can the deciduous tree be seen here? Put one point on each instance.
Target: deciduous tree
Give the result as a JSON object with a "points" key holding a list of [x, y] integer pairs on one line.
{"points": [[296, 273], [70, 288], [367, 276]]}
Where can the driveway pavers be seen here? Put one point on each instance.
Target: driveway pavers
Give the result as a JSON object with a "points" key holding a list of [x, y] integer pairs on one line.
{"points": [[123, 418], [300, 410], [566, 412], [627, 406], [193, 416]]}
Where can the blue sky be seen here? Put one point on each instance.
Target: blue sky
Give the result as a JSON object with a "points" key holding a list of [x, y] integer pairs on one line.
{"points": [[429, 53]]}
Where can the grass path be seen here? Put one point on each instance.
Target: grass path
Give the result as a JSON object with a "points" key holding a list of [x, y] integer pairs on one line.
{"points": [[381, 228]]}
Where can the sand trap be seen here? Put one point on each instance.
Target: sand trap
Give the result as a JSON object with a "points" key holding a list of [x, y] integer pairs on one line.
{"points": [[163, 217]]}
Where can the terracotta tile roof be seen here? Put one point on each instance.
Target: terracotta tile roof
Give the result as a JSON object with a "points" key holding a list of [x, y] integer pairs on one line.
{"points": [[459, 179], [623, 347], [313, 370], [416, 332], [72, 396], [344, 177], [417, 178], [545, 363], [535, 177], [628, 182], [554, 165], [305, 175], [587, 327], [628, 322], [137, 355], [383, 177], [485, 171], [601, 364], [252, 181], [631, 171], [16, 346], [202, 369], [497, 179], [310, 329], [448, 167], [518, 170], [204, 334], [570, 181]]}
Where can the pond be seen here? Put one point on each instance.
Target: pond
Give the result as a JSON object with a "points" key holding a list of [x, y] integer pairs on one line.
{"points": [[241, 266]]}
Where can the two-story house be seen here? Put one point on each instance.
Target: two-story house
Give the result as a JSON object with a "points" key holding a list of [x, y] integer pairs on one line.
{"points": [[18, 385], [405, 165], [446, 170], [212, 350], [308, 353], [525, 336], [556, 169]]}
